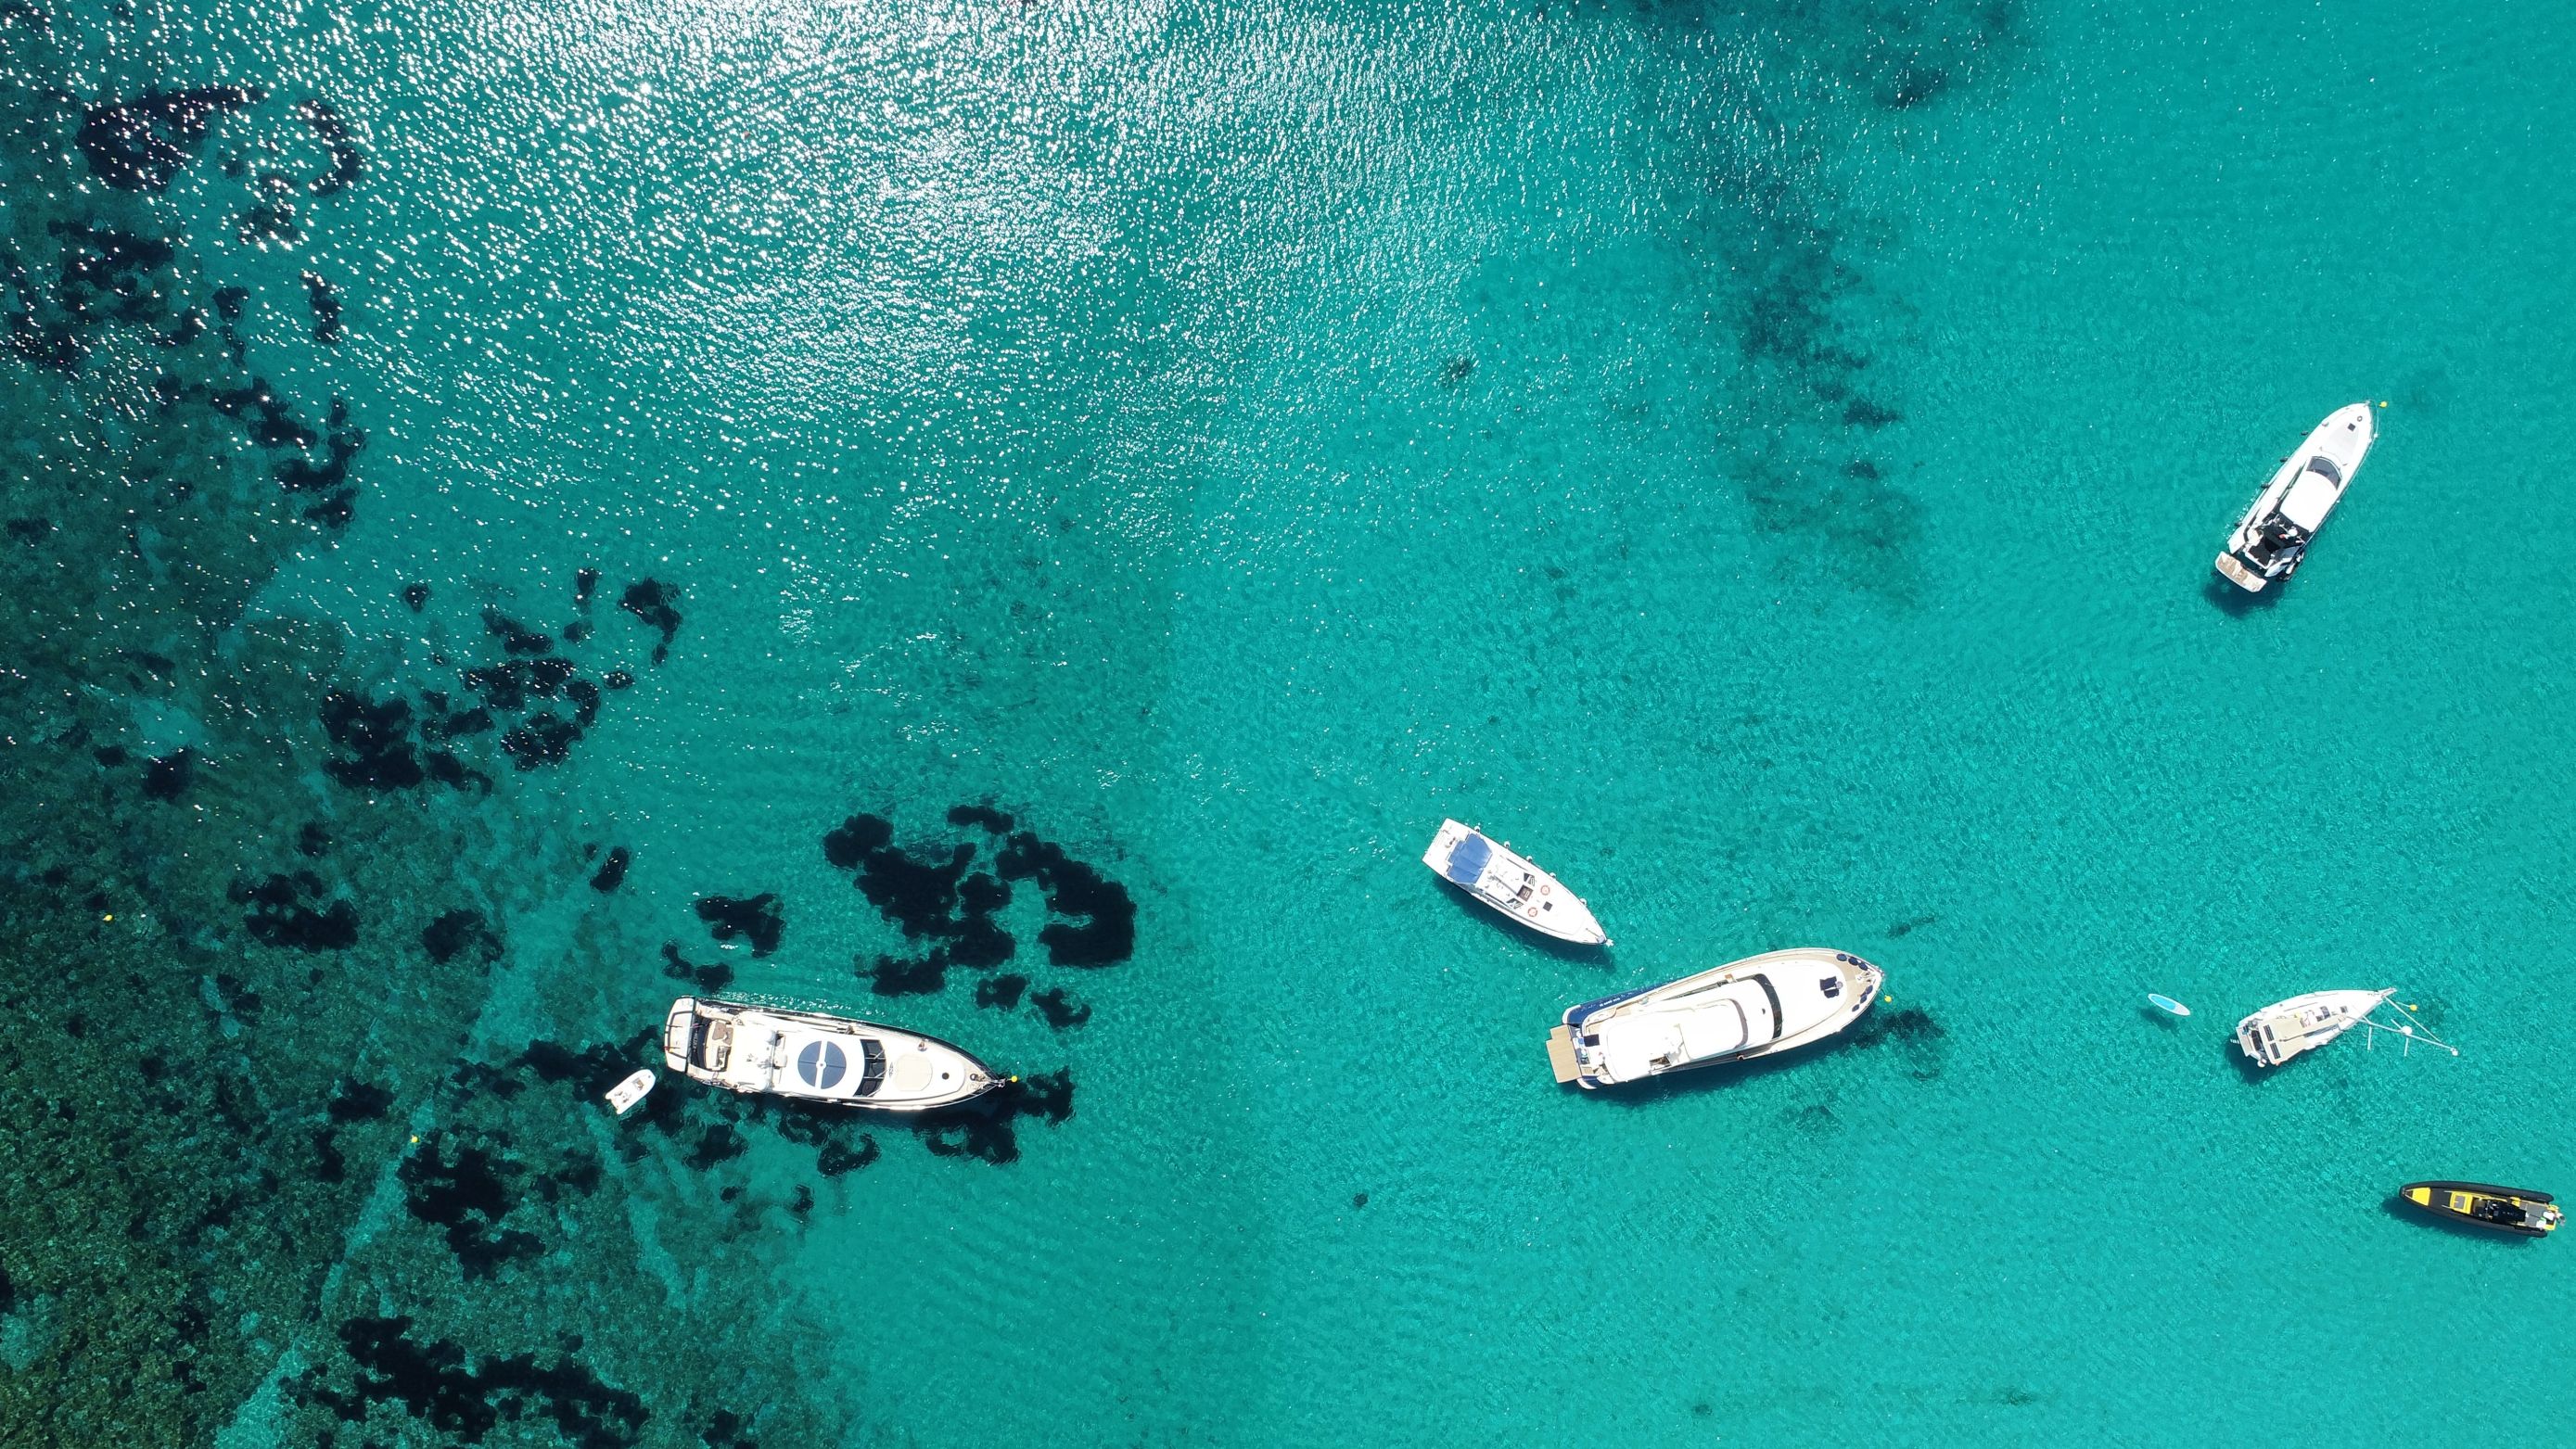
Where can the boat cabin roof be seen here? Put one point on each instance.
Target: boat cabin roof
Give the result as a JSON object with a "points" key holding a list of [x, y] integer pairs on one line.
{"points": [[1652, 1041], [831, 1064], [2312, 496]]}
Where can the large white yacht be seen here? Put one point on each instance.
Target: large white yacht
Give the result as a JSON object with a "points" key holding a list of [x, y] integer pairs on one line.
{"points": [[817, 1058], [1744, 1009], [1491, 872], [2273, 536], [2284, 1029]]}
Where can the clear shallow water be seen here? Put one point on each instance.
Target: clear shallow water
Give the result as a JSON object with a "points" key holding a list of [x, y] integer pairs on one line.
{"points": [[1765, 465]]}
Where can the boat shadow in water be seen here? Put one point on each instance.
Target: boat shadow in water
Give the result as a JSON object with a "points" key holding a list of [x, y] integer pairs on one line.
{"points": [[2234, 602], [1468, 904], [2415, 1217], [2161, 1017], [1920, 1040], [1721, 1077], [2247, 1068]]}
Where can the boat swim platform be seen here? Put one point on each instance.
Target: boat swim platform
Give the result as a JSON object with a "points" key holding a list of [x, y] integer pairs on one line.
{"points": [[1560, 1055]]}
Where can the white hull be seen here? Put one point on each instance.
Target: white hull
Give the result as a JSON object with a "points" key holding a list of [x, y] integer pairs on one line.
{"points": [[811, 1057], [1756, 1007], [2272, 538], [2303, 1023], [1493, 873]]}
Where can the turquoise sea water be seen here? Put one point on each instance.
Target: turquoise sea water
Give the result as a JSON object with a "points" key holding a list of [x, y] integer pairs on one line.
{"points": [[1762, 460]]}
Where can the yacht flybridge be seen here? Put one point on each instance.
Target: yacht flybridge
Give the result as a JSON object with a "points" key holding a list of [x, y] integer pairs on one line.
{"points": [[1736, 1012], [1490, 871], [2273, 536], [816, 1058]]}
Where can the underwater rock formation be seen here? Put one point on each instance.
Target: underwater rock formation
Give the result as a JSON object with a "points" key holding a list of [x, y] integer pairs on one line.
{"points": [[985, 1129], [458, 932], [892, 976], [167, 778], [985, 816], [140, 144], [324, 299], [653, 602], [758, 919], [1059, 1009], [715, 976], [436, 1384], [464, 1195], [382, 753], [347, 164], [1108, 934], [282, 914], [612, 871]]}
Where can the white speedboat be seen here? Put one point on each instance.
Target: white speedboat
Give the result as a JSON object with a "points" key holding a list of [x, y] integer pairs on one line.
{"points": [[2284, 1029], [1489, 870], [1745, 1009], [2273, 536], [817, 1058]]}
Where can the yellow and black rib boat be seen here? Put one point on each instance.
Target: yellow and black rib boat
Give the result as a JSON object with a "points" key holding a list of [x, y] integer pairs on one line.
{"points": [[2513, 1209]]}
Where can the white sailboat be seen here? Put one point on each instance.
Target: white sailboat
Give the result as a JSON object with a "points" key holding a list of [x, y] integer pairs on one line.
{"points": [[2284, 1029]]}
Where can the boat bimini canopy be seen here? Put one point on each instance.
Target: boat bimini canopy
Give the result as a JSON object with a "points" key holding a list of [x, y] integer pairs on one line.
{"points": [[1467, 859]]}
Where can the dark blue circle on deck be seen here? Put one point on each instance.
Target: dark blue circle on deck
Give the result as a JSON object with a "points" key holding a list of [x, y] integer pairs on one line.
{"points": [[822, 1064]]}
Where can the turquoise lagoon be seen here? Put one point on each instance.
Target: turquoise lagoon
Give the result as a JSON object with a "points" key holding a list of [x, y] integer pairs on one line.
{"points": [[1763, 460]]}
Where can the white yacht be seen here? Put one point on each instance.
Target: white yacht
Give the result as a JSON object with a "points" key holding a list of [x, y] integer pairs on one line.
{"points": [[1744, 1009], [1490, 871], [2273, 536], [2284, 1029], [817, 1058]]}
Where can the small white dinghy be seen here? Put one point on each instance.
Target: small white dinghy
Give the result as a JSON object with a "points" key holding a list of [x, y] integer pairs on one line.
{"points": [[1489, 870], [816, 1058], [1775, 1002], [2303, 1023], [2273, 536], [627, 1093]]}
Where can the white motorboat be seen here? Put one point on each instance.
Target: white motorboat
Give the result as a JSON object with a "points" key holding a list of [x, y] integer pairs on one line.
{"points": [[2303, 1023], [2273, 536], [1751, 1008], [816, 1058], [1491, 872]]}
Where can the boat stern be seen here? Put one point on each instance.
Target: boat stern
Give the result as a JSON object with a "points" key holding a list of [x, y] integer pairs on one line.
{"points": [[2233, 569], [2254, 1038], [679, 1034], [1561, 1059]]}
